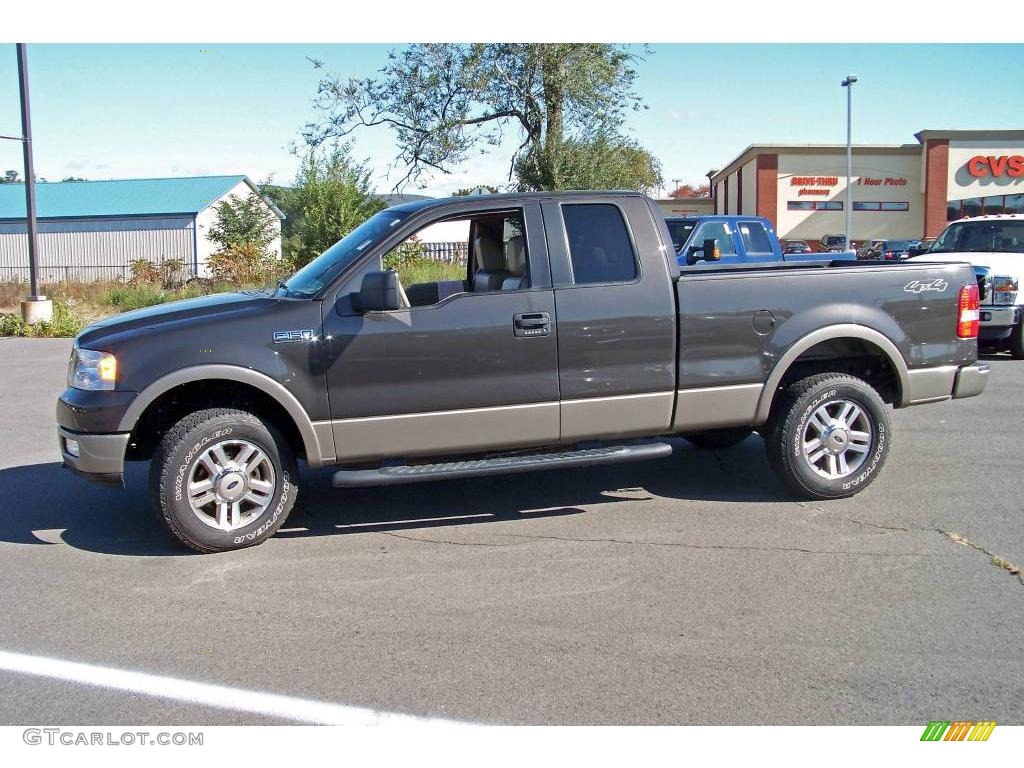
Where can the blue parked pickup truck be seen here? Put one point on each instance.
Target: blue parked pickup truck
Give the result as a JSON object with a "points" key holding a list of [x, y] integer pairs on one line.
{"points": [[734, 240]]}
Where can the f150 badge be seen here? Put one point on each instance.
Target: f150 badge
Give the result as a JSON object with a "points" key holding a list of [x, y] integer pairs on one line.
{"points": [[283, 337], [919, 286]]}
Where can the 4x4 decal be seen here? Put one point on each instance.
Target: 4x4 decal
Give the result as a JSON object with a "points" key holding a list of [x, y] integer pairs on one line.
{"points": [[918, 286]]}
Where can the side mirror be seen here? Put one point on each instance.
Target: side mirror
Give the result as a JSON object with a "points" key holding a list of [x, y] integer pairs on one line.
{"points": [[378, 292], [711, 250], [708, 252]]}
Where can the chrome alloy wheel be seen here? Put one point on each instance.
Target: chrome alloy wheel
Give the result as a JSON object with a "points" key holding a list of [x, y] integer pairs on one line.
{"points": [[837, 439], [231, 484]]}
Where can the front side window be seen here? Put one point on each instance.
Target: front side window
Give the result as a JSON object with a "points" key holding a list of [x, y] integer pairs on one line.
{"points": [[599, 244], [719, 232], [475, 253]]}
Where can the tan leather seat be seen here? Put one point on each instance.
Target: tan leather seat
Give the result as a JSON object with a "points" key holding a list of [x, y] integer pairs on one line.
{"points": [[490, 262], [515, 259]]}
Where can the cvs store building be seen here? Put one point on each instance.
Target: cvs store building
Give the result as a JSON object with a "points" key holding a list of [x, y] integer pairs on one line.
{"points": [[900, 191]]}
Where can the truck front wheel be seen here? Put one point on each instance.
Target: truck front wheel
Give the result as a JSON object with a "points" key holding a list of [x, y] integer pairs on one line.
{"points": [[223, 479], [828, 435]]}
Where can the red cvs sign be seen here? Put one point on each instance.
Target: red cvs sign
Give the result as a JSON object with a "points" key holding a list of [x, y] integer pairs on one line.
{"points": [[980, 166]]}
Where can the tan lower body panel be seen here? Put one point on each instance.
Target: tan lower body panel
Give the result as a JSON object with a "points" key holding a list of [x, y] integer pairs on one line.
{"points": [[716, 407], [649, 413], [438, 432], [928, 385]]}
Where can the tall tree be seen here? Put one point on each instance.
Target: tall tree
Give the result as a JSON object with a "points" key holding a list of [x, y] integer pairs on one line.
{"points": [[331, 196], [9, 177], [444, 101], [689, 191]]}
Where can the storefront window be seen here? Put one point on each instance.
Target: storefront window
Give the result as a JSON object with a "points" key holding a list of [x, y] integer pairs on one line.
{"points": [[993, 204], [953, 210], [863, 206], [972, 206], [1015, 203], [800, 205], [895, 206]]}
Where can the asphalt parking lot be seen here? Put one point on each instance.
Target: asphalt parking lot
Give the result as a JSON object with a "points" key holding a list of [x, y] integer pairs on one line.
{"points": [[690, 590]]}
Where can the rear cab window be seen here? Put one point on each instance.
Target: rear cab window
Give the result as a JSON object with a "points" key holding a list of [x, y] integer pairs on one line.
{"points": [[600, 248], [756, 241]]}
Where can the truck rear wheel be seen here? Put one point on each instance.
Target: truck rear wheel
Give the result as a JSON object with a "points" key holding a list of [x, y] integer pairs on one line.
{"points": [[715, 439], [222, 479], [828, 436], [1017, 342]]}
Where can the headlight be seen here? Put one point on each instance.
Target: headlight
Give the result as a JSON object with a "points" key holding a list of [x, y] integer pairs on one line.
{"points": [[1004, 289], [92, 370]]}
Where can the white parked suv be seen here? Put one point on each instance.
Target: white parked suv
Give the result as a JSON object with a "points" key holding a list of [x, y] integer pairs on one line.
{"points": [[995, 246]]}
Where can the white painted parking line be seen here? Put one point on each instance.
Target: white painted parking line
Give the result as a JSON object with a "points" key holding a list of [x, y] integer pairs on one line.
{"points": [[207, 694]]}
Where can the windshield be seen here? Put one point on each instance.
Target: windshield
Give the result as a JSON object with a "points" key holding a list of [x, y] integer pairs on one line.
{"points": [[322, 270], [898, 245], [680, 230], [988, 236]]}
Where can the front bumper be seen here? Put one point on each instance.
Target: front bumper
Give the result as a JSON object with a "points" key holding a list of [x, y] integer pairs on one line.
{"points": [[971, 380], [99, 459]]}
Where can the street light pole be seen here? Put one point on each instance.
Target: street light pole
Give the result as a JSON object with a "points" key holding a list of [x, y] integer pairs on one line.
{"points": [[848, 85], [37, 307]]}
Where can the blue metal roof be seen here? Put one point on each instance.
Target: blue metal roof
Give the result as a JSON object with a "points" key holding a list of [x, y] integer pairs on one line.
{"points": [[123, 197]]}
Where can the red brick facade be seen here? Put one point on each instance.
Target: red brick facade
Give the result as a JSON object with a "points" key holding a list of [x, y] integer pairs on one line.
{"points": [[936, 171], [768, 188]]}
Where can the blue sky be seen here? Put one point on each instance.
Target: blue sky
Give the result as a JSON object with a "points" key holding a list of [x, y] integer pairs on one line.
{"points": [[115, 111]]}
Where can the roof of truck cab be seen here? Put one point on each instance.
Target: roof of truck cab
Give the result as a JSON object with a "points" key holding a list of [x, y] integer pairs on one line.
{"points": [[440, 202]]}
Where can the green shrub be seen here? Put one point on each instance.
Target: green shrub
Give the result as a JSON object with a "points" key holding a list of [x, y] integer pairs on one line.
{"points": [[144, 272], [12, 325], [172, 273], [66, 323], [243, 264], [134, 297]]}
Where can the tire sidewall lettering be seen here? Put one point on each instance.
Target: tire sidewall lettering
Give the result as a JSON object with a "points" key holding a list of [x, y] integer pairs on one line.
{"points": [[186, 462]]}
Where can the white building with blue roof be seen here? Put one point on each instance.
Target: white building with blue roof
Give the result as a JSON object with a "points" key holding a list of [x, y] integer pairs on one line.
{"points": [[92, 230]]}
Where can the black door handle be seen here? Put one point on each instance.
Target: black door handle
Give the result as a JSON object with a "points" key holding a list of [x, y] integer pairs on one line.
{"points": [[531, 324]]}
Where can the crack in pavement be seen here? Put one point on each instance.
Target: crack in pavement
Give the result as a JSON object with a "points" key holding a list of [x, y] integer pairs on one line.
{"points": [[445, 541], [880, 525], [739, 548], [997, 560]]}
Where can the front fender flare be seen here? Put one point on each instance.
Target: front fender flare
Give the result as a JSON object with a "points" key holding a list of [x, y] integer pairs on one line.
{"points": [[318, 444]]}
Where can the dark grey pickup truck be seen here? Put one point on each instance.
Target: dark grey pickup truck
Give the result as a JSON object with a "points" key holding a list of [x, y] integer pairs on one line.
{"points": [[575, 338]]}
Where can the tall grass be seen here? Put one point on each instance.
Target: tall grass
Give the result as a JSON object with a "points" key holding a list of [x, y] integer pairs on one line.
{"points": [[428, 271]]}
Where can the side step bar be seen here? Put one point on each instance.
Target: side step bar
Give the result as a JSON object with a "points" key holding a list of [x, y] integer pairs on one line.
{"points": [[503, 465]]}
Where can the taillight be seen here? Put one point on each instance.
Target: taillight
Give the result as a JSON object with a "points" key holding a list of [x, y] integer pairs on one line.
{"points": [[968, 316]]}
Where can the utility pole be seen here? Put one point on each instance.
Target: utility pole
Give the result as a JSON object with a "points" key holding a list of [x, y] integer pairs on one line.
{"points": [[848, 85], [36, 307]]}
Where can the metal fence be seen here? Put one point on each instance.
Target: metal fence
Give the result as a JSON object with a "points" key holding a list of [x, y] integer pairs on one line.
{"points": [[452, 253], [173, 271]]}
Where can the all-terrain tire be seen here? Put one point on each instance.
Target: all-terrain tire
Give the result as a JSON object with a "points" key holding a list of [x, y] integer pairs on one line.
{"points": [[716, 439], [791, 422], [1017, 342], [176, 464]]}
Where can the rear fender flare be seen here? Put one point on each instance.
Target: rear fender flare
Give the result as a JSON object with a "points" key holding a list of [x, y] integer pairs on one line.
{"points": [[842, 331]]}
